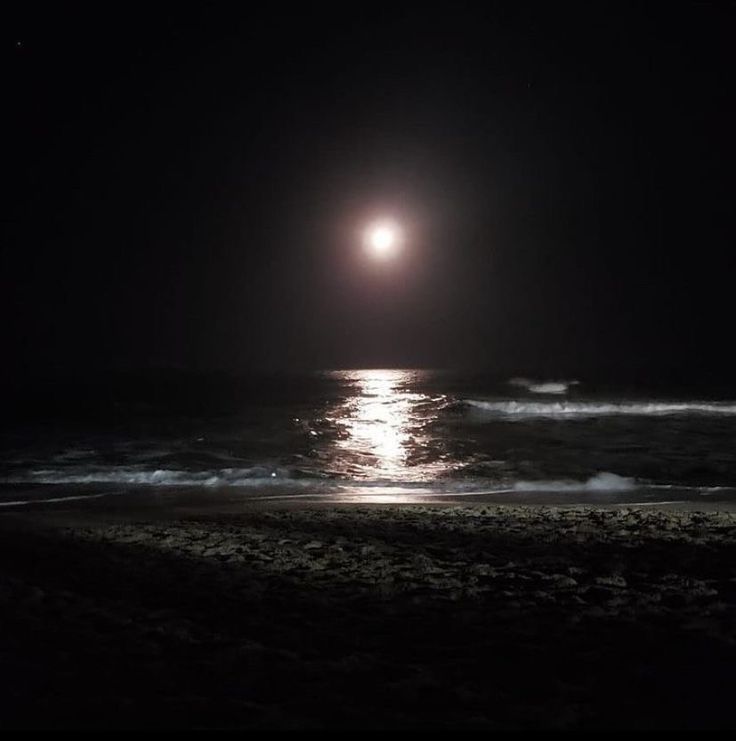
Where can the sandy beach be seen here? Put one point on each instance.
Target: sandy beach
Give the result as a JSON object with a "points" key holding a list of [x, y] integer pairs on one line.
{"points": [[369, 617]]}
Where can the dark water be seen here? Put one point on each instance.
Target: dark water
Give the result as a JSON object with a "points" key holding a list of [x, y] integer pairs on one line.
{"points": [[378, 435]]}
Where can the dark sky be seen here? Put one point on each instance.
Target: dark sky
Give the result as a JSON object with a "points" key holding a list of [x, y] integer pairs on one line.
{"points": [[185, 186]]}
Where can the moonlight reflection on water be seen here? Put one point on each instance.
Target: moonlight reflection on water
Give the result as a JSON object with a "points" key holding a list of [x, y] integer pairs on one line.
{"points": [[384, 426]]}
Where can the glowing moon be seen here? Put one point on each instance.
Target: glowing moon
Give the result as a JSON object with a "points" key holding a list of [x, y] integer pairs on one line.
{"points": [[382, 240]]}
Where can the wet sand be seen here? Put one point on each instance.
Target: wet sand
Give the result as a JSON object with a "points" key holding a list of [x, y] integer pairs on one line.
{"points": [[486, 616]]}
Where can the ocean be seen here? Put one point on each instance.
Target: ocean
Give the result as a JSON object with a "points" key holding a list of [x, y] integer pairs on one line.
{"points": [[380, 435]]}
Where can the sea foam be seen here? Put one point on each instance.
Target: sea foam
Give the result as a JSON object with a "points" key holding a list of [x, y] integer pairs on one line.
{"points": [[543, 387], [577, 409], [603, 481], [138, 476]]}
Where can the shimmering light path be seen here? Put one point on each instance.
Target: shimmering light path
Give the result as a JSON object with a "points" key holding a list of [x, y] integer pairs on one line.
{"points": [[383, 430]]}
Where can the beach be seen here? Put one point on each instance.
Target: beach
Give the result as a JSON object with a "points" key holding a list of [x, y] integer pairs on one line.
{"points": [[368, 616], [368, 370]]}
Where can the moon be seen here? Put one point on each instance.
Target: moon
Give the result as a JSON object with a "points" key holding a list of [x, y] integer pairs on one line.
{"points": [[382, 240]]}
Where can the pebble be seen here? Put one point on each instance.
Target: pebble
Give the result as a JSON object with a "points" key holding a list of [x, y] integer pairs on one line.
{"points": [[615, 580]]}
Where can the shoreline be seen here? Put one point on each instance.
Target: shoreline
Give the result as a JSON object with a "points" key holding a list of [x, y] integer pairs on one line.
{"points": [[49, 501]]}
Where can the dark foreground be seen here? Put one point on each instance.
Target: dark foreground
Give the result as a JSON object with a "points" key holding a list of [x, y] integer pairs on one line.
{"points": [[373, 617]]}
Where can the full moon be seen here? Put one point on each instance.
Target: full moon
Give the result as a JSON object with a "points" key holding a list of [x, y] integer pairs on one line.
{"points": [[382, 240]]}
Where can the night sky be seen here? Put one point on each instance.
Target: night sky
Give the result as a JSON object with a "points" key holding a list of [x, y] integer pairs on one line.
{"points": [[186, 187]]}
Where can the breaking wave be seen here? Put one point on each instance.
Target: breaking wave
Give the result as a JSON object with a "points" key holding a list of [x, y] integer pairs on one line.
{"points": [[137, 476], [543, 387], [603, 481], [576, 409]]}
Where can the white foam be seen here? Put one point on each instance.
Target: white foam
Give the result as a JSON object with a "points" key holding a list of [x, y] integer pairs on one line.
{"points": [[603, 481], [522, 382], [137, 476], [543, 387], [573, 409], [550, 387]]}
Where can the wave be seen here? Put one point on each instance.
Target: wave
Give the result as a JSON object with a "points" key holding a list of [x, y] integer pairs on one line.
{"points": [[523, 382], [264, 476], [258, 476], [576, 409], [603, 487], [137, 476], [543, 387], [603, 481], [550, 387]]}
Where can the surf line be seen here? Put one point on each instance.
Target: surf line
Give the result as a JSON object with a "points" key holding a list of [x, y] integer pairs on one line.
{"points": [[21, 502]]}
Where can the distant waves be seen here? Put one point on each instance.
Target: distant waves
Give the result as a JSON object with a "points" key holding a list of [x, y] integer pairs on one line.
{"points": [[577, 409], [141, 476], [604, 481], [543, 387]]}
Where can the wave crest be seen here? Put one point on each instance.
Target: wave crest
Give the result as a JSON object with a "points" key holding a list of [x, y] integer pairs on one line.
{"points": [[603, 481], [137, 476], [579, 409], [543, 387]]}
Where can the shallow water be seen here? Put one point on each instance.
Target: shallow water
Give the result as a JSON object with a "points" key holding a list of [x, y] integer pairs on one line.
{"points": [[377, 435]]}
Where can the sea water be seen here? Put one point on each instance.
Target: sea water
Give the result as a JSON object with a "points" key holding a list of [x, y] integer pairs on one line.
{"points": [[389, 435]]}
